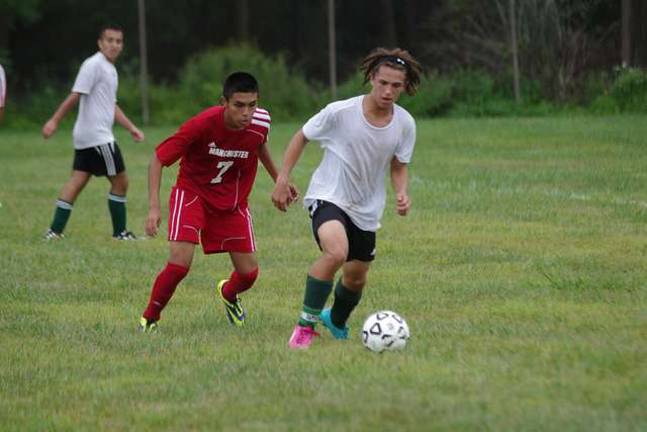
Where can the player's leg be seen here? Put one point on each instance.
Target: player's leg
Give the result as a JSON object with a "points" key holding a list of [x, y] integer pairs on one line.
{"points": [[177, 267], [241, 279], [232, 232], [244, 274], [116, 173], [334, 250], [328, 225], [70, 191], [348, 292], [186, 219]]}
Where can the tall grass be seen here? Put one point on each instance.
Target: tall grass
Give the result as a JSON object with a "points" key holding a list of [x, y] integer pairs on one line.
{"points": [[521, 272]]}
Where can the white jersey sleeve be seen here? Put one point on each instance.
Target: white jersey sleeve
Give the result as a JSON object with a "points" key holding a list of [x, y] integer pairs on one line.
{"points": [[319, 126], [86, 77], [404, 149]]}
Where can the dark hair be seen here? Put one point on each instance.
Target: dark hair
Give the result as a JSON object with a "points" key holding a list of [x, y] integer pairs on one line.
{"points": [[396, 58], [109, 26], [239, 82]]}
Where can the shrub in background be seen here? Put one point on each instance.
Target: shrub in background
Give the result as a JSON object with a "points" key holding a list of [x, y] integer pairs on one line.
{"points": [[626, 92], [284, 92], [630, 90]]}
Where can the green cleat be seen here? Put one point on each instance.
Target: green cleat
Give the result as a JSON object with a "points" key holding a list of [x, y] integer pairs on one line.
{"points": [[235, 311], [147, 326]]}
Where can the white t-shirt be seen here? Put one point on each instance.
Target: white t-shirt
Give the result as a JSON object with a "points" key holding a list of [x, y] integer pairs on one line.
{"points": [[97, 83], [3, 87], [357, 154]]}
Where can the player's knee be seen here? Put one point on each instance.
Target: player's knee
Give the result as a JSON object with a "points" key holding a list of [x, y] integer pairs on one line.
{"points": [[250, 277], [336, 258], [120, 184], [181, 259], [355, 282]]}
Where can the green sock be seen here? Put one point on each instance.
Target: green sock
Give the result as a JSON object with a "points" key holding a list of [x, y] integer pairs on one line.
{"points": [[317, 292], [61, 216], [345, 302], [117, 206]]}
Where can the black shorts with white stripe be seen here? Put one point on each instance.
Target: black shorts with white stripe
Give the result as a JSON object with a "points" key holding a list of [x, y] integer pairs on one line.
{"points": [[103, 160]]}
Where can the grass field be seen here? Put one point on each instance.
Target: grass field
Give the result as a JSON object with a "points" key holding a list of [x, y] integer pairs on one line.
{"points": [[522, 272]]}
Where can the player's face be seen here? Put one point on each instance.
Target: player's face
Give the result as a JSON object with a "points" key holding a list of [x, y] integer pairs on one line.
{"points": [[111, 43], [239, 109], [387, 84]]}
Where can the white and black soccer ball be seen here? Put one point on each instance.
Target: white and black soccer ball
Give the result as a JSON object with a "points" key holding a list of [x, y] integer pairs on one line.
{"points": [[385, 331]]}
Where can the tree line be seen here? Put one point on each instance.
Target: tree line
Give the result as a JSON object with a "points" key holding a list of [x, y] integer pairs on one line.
{"points": [[557, 42]]}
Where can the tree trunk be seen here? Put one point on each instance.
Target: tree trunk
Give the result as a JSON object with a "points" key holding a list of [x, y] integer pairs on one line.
{"points": [[242, 12], [626, 33], [332, 49], [515, 52], [639, 33], [388, 20], [143, 60], [4, 35]]}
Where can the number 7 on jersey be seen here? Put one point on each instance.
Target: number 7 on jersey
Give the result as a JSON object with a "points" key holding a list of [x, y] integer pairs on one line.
{"points": [[223, 166]]}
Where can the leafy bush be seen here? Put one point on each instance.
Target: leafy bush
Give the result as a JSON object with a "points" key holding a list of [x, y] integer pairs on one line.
{"points": [[166, 104], [627, 92], [630, 90], [466, 93], [285, 93], [34, 109], [434, 97]]}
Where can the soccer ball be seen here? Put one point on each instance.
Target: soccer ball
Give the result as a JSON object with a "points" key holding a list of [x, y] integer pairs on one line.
{"points": [[385, 331]]}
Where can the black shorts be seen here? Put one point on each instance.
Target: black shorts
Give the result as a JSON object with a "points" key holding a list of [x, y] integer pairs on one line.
{"points": [[361, 244], [103, 160]]}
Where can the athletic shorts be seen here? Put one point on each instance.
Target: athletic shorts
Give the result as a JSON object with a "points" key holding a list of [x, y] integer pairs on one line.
{"points": [[361, 244], [102, 160], [192, 220]]}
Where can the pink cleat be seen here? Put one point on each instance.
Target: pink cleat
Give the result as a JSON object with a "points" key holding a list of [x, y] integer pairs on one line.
{"points": [[302, 337]]}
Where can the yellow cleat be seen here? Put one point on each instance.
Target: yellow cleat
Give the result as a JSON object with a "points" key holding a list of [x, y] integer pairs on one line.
{"points": [[235, 311]]}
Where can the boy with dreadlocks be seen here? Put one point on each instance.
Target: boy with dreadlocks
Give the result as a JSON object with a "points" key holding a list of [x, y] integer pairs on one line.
{"points": [[362, 137]]}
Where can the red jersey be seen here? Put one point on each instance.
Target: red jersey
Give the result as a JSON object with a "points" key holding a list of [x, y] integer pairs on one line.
{"points": [[217, 164]]}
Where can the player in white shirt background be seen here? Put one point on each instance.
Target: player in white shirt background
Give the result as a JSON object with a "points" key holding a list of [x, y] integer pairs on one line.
{"points": [[95, 150], [362, 138], [3, 91]]}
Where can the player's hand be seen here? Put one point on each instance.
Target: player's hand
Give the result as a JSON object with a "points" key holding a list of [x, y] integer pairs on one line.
{"points": [[49, 128], [294, 193], [137, 135], [153, 222], [402, 204], [283, 195]]}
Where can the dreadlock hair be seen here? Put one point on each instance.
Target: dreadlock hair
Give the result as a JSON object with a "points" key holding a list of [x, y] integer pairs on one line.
{"points": [[396, 58]]}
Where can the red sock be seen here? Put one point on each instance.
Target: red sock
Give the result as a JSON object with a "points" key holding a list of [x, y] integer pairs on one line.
{"points": [[238, 283], [163, 289]]}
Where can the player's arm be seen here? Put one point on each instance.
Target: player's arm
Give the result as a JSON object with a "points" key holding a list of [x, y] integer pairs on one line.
{"points": [[400, 182], [154, 181], [266, 159], [52, 124], [166, 154], [282, 196], [123, 120]]}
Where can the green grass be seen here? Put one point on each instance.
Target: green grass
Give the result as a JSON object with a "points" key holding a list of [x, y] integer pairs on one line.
{"points": [[522, 272]]}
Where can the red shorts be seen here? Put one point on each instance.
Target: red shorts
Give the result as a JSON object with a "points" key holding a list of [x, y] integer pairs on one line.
{"points": [[192, 220]]}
